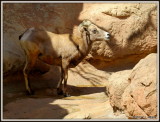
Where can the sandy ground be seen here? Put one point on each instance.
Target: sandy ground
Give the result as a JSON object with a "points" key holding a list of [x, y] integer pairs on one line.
{"points": [[88, 99]]}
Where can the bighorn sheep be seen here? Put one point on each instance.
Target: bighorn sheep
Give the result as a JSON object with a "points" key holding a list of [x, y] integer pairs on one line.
{"points": [[61, 50]]}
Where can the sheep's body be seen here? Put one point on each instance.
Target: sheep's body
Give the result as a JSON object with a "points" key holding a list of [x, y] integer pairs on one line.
{"points": [[56, 49], [53, 47]]}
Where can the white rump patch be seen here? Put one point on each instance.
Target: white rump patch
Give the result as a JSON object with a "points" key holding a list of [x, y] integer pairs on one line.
{"points": [[27, 33]]}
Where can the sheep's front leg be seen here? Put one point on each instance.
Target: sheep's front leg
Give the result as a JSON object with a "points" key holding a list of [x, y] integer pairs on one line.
{"points": [[65, 66], [59, 86], [65, 93], [62, 89]]}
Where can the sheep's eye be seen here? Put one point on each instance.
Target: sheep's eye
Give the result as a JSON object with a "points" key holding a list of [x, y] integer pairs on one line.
{"points": [[94, 31]]}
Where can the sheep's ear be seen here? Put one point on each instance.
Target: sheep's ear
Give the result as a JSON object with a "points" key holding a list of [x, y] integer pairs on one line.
{"points": [[84, 25], [82, 28], [86, 22]]}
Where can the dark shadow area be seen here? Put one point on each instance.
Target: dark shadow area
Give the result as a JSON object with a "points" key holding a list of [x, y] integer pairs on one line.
{"points": [[120, 68], [124, 63], [77, 91], [36, 108]]}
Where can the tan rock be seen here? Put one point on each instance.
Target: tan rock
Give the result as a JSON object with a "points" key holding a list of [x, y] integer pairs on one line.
{"points": [[116, 85], [133, 31], [140, 98]]}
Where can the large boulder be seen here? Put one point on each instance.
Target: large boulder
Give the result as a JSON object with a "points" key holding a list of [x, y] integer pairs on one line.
{"points": [[133, 29], [116, 85], [139, 99]]}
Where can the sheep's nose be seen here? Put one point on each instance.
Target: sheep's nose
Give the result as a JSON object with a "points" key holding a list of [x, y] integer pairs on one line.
{"points": [[107, 36]]}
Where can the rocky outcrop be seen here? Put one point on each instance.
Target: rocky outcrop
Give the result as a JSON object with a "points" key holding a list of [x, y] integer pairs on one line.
{"points": [[133, 28], [134, 91], [116, 85], [140, 98]]}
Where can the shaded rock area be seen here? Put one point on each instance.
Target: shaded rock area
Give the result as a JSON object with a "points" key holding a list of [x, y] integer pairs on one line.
{"points": [[112, 82]]}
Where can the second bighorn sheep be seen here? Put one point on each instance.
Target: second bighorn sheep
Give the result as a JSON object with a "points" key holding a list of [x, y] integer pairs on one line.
{"points": [[61, 50]]}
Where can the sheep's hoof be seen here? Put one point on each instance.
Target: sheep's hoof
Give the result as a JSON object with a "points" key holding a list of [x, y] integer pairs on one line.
{"points": [[66, 95], [59, 91], [31, 92]]}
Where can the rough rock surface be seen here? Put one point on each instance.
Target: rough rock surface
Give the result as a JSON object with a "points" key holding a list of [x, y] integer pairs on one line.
{"points": [[133, 28], [140, 98], [116, 85]]}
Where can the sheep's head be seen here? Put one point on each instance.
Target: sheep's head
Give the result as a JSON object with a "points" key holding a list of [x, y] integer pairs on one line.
{"points": [[95, 33]]}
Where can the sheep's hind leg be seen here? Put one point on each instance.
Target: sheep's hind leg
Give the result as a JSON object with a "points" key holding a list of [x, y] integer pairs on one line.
{"points": [[29, 64]]}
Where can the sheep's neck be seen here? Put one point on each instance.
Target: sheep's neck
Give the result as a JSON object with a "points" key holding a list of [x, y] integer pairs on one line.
{"points": [[85, 46], [83, 43]]}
